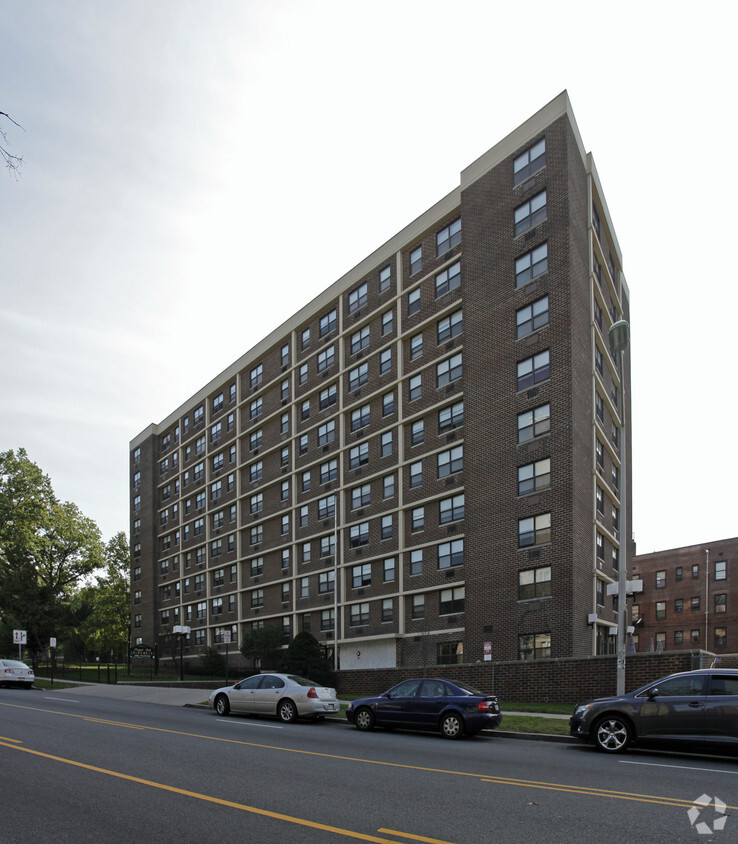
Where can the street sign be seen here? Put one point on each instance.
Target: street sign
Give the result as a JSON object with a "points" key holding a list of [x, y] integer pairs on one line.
{"points": [[19, 637], [227, 637], [488, 651], [52, 642]]}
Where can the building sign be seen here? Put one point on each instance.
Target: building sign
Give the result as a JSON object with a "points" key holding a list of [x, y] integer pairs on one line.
{"points": [[141, 652], [488, 651]]}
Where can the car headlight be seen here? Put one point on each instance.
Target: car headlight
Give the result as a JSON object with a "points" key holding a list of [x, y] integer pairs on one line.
{"points": [[582, 709]]}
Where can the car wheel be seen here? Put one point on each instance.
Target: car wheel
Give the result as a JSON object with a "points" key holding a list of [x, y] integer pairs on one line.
{"points": [[452, 726], [364, 718], [222, 705], [612, 734], [286, 711]]}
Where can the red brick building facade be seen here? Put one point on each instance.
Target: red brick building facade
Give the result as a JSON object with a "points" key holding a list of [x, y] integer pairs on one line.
{"points": [[424, 462], [689, 598]]}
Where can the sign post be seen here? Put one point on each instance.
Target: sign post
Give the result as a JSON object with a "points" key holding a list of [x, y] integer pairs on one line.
{"points": [[227, 640], [20, 639]]}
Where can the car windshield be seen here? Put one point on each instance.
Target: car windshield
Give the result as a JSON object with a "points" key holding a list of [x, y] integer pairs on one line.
{"points": [[301, 681], [13, 663]]}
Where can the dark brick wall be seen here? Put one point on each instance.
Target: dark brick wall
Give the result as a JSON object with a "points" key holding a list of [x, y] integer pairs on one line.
{"points": [[554, 680]]}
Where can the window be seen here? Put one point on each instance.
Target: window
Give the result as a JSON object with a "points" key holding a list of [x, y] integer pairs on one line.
{"points": [[388, 403], [416, 260], [721, 570], [450, 462], [534, 646], [326, 358], [416, 561], [534, 583], [198, 415], [695, 571], [359, 614], [216, 490], [452, 600], [534, 476], [451, 509], [326, 581], [328, 322], [694, 603], [357, 298], [359, 455], [326, 507], [285, 524], [358, 376], [388, 486], [385, 361], [256, 376], [418, 606], [534, 423], [387, 611], [257, 598], [533, 370], [327, 620], [530, 162], [679, 605], [388, 322], [359, 535], [327, 546], [418, 518], [255, 440], [660, 579], [360, 340], [305, 338], [449, 370], [417, 434], [385, 279], [303, 373], [678, 637], [360, 496], [360, 417], [660, 610], [532, 317], [448, 279], [257, 503], [451, 554], [285, 354], [303, 515], [387, 527], [307, 552], [361, 575], [328, 397], [448, 237], [284, 425], [451, 417], [530, 213], [328, 471], [305, 409], [416, 474], [413, 302], [257, 534], [327, 433], [531, 265], [256, 470], [534, 530], [285, 559], [389, 567], [415, 386], [450, 326], [218, 461]]}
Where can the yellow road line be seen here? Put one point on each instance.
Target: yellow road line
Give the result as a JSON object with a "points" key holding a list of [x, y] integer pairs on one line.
{"points": [[17, 741], [551, 786], [348, 833], [414, 837]]}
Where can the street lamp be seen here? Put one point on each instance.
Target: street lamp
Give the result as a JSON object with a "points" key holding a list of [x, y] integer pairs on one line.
{"points": [[619, 337], [182, 631]]}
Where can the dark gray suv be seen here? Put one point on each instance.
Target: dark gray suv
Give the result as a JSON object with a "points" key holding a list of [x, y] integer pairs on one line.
{"points": [[691, 710]]}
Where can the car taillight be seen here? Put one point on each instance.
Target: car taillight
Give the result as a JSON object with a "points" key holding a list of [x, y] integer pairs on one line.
{"points": [[312, 692], [484, 706]]}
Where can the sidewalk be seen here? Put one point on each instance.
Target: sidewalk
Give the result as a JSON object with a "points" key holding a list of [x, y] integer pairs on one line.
{"points": [[176, 696]]}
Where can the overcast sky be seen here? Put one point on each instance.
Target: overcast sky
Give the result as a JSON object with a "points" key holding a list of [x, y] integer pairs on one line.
{"points": [[195, 172]]}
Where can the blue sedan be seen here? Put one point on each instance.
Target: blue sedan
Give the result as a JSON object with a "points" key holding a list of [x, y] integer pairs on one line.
{"points": [[455, 709]]}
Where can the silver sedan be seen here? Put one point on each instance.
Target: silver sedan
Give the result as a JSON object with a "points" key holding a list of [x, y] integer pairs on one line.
{"points": [[286, 696], [13, 672]]}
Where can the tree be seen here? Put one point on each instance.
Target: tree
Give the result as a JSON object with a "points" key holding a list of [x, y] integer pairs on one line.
{"points": [[46, 548], [304, 656], [103, 607], [260, 646], [213, 662], [12, 162]]}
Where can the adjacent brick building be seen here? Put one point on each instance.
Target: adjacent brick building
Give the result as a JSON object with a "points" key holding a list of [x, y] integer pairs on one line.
{"points": [[689, 599], [447, 416]]}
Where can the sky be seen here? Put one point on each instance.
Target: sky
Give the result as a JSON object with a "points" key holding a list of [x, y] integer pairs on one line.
{"points": [[195, 172]]}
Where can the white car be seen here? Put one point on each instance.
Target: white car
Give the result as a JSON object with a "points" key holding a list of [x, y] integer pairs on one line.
{"points": [[286, 696], [13, 672]]}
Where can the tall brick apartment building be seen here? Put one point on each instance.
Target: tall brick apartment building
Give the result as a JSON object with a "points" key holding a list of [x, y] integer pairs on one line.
{"points": [[689, 599], [447, 417]]}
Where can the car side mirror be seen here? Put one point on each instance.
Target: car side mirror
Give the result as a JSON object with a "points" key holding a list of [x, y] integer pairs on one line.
{"points": [[652, 693]]}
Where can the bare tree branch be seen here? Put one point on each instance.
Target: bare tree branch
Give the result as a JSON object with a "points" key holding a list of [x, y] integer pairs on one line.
{"points": [[12, 162]]}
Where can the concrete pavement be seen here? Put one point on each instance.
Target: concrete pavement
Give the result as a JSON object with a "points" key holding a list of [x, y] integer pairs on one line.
{"points": [[171, 696]]}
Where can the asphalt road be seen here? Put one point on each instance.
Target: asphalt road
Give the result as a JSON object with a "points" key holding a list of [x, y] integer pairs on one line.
{"points": [[79, 768]]}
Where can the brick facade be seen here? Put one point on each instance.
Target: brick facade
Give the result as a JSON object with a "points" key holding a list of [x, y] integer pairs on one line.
{"points": [[449, 409]]}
